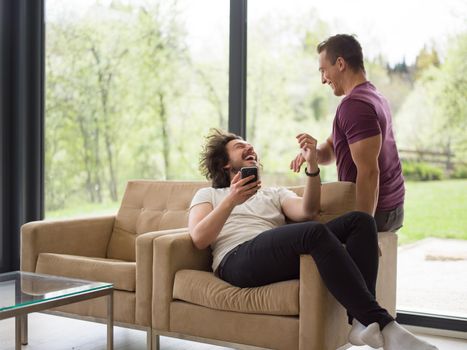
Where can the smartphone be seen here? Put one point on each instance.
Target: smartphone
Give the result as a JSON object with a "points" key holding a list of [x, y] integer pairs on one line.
{"points": [[248, 171]]}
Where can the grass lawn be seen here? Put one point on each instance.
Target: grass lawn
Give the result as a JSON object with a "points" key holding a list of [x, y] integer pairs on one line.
{"points": [[434, 209], [84, 210]]}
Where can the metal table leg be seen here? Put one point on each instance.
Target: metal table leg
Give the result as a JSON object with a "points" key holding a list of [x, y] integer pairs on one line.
{"points": [[24, 329], [18, 332], [110, 321]]}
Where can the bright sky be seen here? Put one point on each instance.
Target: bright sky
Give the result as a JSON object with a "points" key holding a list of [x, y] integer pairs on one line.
{"points": [[398, 29]]}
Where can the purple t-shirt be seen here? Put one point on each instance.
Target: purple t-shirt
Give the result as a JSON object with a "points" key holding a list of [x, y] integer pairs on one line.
{"points": [[361, 114]]}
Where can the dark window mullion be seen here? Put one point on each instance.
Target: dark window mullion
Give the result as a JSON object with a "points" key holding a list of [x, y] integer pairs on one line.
{"points": [[21, 121], [237, 67]]}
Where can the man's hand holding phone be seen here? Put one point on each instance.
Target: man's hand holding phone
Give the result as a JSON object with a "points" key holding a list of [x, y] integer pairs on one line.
{"points": [[244, 185], [249, 171]]}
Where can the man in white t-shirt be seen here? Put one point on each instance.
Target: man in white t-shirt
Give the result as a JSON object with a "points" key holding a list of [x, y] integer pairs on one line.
{"points": [[245, 227]]}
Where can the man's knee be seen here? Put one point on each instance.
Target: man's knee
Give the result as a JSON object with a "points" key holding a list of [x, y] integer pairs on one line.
{"points": [[316, 227], [316, 233], [364, 226], [364, 219], [319, 241], [361, 215]]}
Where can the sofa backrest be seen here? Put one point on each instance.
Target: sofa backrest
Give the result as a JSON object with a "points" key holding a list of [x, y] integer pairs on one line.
{"points": [[161, 205], [150, 206]]}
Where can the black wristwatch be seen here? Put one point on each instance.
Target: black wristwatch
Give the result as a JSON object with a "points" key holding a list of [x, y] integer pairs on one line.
{"points": [[312, 174]]}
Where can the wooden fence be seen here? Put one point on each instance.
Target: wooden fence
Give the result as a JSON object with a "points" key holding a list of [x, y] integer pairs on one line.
{"points": [[446, 159]]}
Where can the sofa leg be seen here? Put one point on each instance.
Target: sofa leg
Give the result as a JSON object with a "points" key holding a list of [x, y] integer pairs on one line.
{"points": [[149, 339], [152, 340], [156, 342]]}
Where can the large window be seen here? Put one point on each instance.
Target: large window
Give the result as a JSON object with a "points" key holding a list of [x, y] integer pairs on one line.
{"points": [[131, 87], [415, 55]]}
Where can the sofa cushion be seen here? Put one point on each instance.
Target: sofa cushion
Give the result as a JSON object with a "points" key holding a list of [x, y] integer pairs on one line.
{"points": [[121, 273], [205, 289], [150, 206]]}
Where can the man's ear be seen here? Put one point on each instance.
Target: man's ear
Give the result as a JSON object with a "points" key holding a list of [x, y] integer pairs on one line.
{"points": [[227, 167], [341, 64]]}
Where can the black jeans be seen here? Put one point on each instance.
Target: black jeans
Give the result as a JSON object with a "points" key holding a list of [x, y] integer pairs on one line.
{"points": [[348, 272]]}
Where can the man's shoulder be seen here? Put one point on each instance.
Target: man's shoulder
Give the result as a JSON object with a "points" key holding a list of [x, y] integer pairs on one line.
{"points": [[353, 107], [210, 188], [365, 93], [279, 191], [355, 101], [209, 194], [210, 191], [214, 190], [264, 190], [273, 189]]}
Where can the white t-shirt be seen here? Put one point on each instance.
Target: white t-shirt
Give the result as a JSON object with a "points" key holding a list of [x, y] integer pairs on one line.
{"points": [[259, 213]]}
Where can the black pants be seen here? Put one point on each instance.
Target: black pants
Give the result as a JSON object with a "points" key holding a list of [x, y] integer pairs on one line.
{"points": [[348, 272]]}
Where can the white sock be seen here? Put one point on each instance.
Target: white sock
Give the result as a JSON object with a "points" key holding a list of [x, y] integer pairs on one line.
{"points": [[372, 336], [398, 338], [361, 335], [354, 335]]}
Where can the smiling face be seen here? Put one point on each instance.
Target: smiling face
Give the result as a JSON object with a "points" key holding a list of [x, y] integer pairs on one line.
{"points": [[241, 154], [331, 74]]}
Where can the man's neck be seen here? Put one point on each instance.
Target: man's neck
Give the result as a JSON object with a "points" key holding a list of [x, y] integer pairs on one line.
{"points": [[352, 80]]}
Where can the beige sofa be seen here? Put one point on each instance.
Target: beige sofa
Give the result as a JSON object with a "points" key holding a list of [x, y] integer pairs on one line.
{"points": [[164, 283], [116, 249], [190, 302]]}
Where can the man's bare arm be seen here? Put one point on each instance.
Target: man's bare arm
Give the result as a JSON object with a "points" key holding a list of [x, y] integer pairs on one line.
{"points": [[365, 156], [326, 152], [308, 207], [205, 222]]}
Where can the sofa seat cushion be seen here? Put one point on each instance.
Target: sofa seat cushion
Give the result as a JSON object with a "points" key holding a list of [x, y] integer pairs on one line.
{"points": [[121, 273], [205, 289]]}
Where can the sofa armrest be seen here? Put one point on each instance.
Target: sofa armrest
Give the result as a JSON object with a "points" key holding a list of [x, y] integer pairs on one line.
{"points": [[311, 296], [319, 310], [144, 273], [171, 254], [323, 321], [386, 283], [85, 237]]}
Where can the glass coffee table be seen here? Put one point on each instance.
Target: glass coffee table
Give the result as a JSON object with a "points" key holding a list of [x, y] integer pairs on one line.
{"points": [[22, 293]]}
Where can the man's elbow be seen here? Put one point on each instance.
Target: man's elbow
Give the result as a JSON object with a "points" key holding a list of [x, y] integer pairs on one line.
{"points": [[198, 242], [313, 215], [375, 177], [368, 174], [376, 172], [310, 214]]}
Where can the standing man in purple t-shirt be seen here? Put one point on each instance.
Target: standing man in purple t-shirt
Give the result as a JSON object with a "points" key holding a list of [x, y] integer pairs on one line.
{"points": [[362, 141]]}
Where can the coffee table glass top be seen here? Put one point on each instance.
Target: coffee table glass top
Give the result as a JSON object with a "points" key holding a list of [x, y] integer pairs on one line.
{"points": [[18, 288]]}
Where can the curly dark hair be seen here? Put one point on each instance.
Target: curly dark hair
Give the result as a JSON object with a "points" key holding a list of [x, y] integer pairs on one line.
{"points": [[214, 157], [345, 46]]}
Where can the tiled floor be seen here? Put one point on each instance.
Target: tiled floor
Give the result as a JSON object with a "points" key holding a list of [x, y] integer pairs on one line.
{"points": [[48, 332]]}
